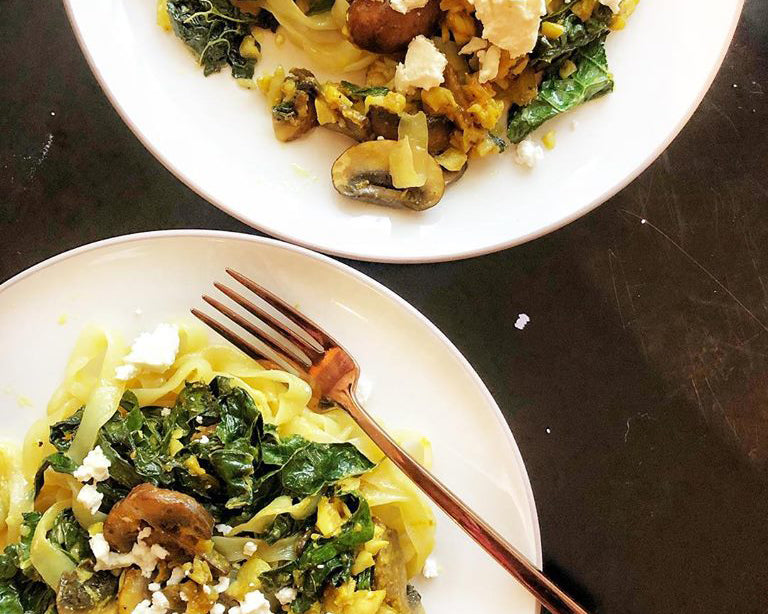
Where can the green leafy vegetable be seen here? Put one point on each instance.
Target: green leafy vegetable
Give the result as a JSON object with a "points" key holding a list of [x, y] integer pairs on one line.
{"points": [[22, 591], [557, 95], [214, 30], [324, 561], [359, 93], [320, 6], [239, 462], [62, 433], [59, 462], [577, 34], [67, 534]]}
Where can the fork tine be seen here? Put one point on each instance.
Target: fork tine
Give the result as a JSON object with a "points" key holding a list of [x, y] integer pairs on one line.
{"points": [[276, 342], [245, 346], [257, 311], [312, 330]]}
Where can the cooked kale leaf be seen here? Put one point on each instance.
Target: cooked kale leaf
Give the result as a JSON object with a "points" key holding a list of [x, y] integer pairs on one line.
{"points": [[22, 591], [324, 561], [213, 444], [577, 34], [214, 30], [557, 95]]}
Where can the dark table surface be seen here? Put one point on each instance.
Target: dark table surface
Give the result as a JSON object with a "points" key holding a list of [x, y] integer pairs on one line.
{"points": [[638, 393]]}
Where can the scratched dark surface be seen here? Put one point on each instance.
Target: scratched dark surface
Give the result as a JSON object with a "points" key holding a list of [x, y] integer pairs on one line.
{"points": [[639, 391]]}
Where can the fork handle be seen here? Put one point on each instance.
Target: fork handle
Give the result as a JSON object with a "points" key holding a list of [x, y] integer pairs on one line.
{"points": [[516, 563]]}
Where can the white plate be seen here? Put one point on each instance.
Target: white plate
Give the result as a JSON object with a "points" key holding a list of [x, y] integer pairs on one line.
{"points": [[217, 137], [413, 376]]}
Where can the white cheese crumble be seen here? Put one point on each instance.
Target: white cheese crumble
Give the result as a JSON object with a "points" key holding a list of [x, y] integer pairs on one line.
{"points": [[528, 153], [222, 585], [250, 549], [177, 575], [165, 412], [142, 555], [286, 595], [217, 608], [614, 4], [95, 467], [90, 498], [151, 351], [511, 24], [489, 63], [404, 6], [204, 439], [224, 529], [423, 67], [159, 605], [430, 569], [522, 320], [253, 603], [474, 44], [153, 586]]}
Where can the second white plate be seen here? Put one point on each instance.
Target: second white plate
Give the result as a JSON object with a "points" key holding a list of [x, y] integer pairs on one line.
{"points": [[413, 377], [217, 137]]}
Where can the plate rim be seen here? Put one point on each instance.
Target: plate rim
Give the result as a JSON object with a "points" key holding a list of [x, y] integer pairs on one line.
{"points": [[155, 235], [360, 255]]}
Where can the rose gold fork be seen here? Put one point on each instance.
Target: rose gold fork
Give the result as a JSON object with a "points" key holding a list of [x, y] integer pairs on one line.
{"points": [[333, 373]]}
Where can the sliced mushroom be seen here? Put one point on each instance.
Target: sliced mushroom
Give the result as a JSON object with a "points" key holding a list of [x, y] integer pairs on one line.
{"points": [[179, 523], [375, 26], [133, 590], [452, 177], [362, 172], [384, 123]]}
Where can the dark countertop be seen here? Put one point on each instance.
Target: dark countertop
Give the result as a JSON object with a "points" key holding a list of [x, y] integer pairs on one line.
{"points": [[639, 391]]}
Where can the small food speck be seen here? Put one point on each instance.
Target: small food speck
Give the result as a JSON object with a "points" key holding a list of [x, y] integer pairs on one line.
{"points": [[24, 401], [549, 140], [549, 430], [62, 319], [643, 221], [522, 320]]}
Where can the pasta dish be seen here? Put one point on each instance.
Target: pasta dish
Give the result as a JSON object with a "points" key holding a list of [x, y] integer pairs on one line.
{"points": [[424, 86], [176, 476]]}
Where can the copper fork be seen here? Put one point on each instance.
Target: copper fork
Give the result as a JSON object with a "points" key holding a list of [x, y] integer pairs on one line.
{"points": [[333, 374]]}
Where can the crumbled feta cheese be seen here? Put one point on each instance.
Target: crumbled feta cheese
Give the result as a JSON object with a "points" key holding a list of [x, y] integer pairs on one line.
{"points": [[489, 63], [224, 529], [430, 568], [250, 549], [475, 44], [404, 6], [528, 153], [217, 608], [204, 439], [222, 585], [160, 601], [614, 4], [511, 24], [95, 467], [254, 603], [207, 589], [143, 556], [199, 419], [423, 67], [153, 586], [177, 575], [522, 320], [90, 498], [286, 595], [154, 352], [165, 412]]}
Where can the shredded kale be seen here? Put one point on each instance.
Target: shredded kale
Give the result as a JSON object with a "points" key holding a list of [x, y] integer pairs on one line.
{"points": [[213, 444], [578, 34], [320, 6], [357, 92], [214, 30], [326, 561], [22, 591], [557, 95]]}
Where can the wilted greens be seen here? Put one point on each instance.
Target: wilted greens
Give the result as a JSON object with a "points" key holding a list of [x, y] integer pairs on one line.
{"points": [[214, 30], [558, 95]]}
